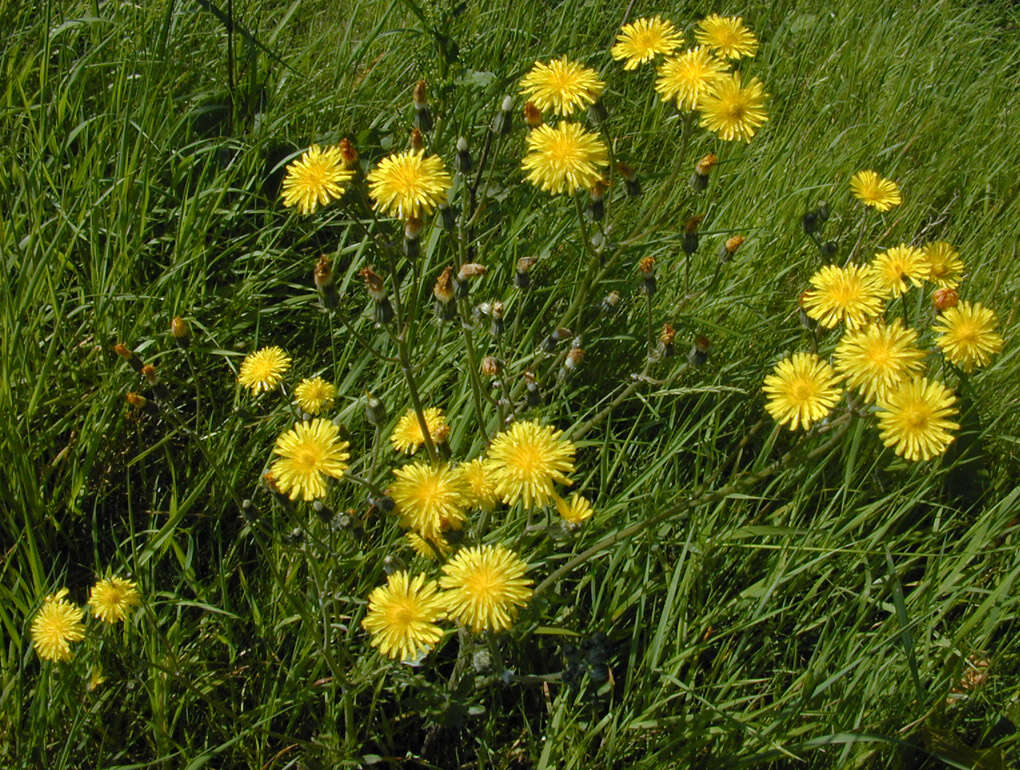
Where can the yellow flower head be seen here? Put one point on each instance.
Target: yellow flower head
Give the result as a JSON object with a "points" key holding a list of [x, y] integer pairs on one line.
{"points": [[485, 586], [526, 459], [263, 370], [561, 86], [899, 267], [727, 35], [575, 510], [878, 358], [402, 616], [564, 158], [56, 625], [309, 452], [430, 499], [111, 599], [407, 436], [643, 40], [687, 77], [315, 179], [408, 185], [872, 190], [314, 395], [946, 265], [914, 419], [849, 295], [801, 390], [967, 335], [479, 480], [732, 111]]}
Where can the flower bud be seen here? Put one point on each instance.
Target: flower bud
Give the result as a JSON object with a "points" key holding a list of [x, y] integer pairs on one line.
{"points": [[522, 279], [490, 367], [180, 331], [597, 111], [699, 180], [829, 249], [324, 283], [422, 115], [729, 248], [690, 244], [666, 337], [447, 216], [647, 269], [943, 299], [375, 410], [810, 222], [136, 400], [611, 302], [444, 292], [574, 356], [417, 140], [373, 284], [501, 124], [496, 327], [348, 153], [128, 355], [464, 162], [412, 231], [699, 351], [630, 178], [532, 115], [596, 201], [150, 374]]}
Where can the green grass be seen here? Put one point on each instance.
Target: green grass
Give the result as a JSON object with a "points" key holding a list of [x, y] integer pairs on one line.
{"points": [[819, 616]]}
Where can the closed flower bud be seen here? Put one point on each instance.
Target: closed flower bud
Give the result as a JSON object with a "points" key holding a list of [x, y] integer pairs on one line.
{"points": [[496, 327], [470, 270], [136, 400], [597, 111], [490, 366], [699, 350], [810, 222], [521, 278], [596, 201], [422, 115], [699, 180], [574, 357], [150, 374], [943, 299], [829, 249], [444, 292], [611, 302], [126, 353], [630, 178], [690, 243], [447, 216], [373, 283], [729, 247], [375, 410], [666, 337], [501, 124], [412, 231], [532, 115], [647, 269], [420, 95], [417, 140], [464, 161], [180, 331], [348, 153], [324, 283]]}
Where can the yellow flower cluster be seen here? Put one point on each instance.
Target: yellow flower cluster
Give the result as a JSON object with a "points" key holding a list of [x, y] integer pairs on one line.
{"points": [[59, 622]]}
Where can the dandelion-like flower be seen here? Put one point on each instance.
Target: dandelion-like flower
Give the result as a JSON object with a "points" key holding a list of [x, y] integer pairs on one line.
{"points": [[914, 419], [56, 625], [967, 335], [727, 35], [111, 599], [877, 358], [564, 158], [407, 436], [526, 459], [801, 390], [575, 509], [402, 616], [314, 395], [687, 77], [733, 111], [309, 452], [849, 295], [485, 586], [315, 179], [479, 480], [561, 86], [409, 185], [899, 267], [430, 498], [263, 370], [642, 40], [946, 265], [872, 190]]}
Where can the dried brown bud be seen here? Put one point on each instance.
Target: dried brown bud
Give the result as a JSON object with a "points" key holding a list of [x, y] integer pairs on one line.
{"points": [[373, 283], [598, 190], [943, 299], [136, 400], [470, 270], [417, 140], [524, 264], [420, 95], [560, 333], [123, 351], [691, 225], [647, 266], [627, 172], [574, 357], [704, 166], [732, 244], [180, 331], [611, 301], [443, 290], [348, 153], [532, 115], [413, 228], [667, 335], [497, 310], [702, 343], [490, 366], [529, 377], [323, 274], [150, 374]]}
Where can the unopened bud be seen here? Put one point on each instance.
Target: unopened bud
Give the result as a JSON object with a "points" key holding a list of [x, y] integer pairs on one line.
{"points": [[829, 249], [464, 161], [136, 400], [420, 95], [375, 410], [348, 153], [324, 283], [810, 222], [699, 350], [699, 180], [422, 115], [610, 302], [180, 331], [729, 247], [470, 270], [532, 115], [444, 292], [574, 357], [666, 337], [497, 325], [596, 201], [447, 216], [501, 123], [128, 355], [417, 140], [690, 244], [150, 374], [943, 299], [490, 366], [647, 269], [597, 111], [373, 283], [521, 278], [412, 230], [630, 178]]}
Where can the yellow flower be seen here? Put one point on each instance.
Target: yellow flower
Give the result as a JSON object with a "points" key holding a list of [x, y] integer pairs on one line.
{"points": [[561, 86], [686, 78], [946, 265], [314, 395], [564, 158], [485, 586], [914, 419], [263, 370], [802, 390], [732, 111], [526, 459], [315, 179], [900, 266], [112, 598], [643, 39], [877, 358], [408, 185], [967, 335], [850, 295], [429, 498], [402, 616], [479, 480], [309, 452], [56, 625], [872, 190], [727, 35], [575, 510], [407, 436]]}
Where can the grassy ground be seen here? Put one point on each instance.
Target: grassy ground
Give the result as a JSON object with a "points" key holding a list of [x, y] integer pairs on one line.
{"points": [[840, 609]]}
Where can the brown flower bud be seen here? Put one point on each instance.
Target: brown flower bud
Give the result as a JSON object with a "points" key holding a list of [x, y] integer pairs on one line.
{"points": [[627, 172], [490, 366], [667, 335], [732, 244], [470, 270], [532, 115], [647, 266], [180, 331], [348, 153], [524, 264], [420, 95], [443, 290], [497, 310], [692, 222], [574, 357], [417, 140], [943, 299], [611, 301], [699, 351], [413, 228], [123, 351], [150, 374], [704, 166], [323, 274], [373, 283], [136, 400]]}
